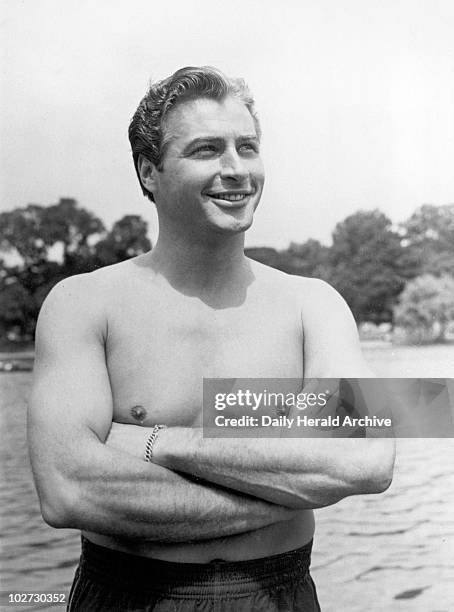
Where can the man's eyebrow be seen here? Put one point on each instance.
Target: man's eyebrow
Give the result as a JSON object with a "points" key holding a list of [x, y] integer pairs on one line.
{"points": [[203, 139], [217, 139], [249, 137]]}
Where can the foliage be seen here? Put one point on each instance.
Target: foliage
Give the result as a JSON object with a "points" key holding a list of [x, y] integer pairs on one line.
{"points": [[310, 258], [426, 307], [368, 265], [127, 238], [32, 231], [307, 259], [22, 291], [23, 232], [16, 307], [50, 243], [429, 236]]}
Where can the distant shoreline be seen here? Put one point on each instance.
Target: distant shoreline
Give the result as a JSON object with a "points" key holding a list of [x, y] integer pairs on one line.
{"points": [[21, 353], [387, 360], [17, 358]]}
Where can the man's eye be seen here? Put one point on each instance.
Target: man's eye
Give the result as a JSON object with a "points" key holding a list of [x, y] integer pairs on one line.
{"points": [[249, 147], [205, 150]]}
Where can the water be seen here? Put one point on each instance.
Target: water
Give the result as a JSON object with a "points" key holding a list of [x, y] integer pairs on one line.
{"points": [[377, 553], [394, 551]]}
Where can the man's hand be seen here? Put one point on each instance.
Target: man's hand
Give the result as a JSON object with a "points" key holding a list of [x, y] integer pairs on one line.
{"points": [[300, 473], [129, 438]]}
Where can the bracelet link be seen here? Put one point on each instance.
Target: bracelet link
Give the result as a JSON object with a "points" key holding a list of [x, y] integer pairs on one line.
{"points": [[150, 442]]}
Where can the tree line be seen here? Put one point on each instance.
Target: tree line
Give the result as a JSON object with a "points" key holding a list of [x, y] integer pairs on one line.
{"points": [[41, 245], [400, 275]]}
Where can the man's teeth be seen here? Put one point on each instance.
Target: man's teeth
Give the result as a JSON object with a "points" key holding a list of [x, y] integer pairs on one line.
{"points": [[231, 197]]}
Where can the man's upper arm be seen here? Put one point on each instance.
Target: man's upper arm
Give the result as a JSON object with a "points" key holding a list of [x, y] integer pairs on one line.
{"points": [[332, 350], [71, 397], [331, 343]]}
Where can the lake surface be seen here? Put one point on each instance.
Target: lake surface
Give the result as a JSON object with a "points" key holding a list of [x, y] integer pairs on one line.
{"points": [[390, 552]]}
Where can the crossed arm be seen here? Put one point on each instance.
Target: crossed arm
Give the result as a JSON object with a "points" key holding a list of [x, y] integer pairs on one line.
{"points": [[87, 484], [301, 473], [297, 473]]}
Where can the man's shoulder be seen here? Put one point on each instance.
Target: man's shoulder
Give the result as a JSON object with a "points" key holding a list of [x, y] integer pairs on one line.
{"points": [[85, 297], [95, 284], [305, 288], [318, 302]]}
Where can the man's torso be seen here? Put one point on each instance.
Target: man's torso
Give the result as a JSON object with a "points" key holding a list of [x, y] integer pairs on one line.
{"points": [[160, 345]]}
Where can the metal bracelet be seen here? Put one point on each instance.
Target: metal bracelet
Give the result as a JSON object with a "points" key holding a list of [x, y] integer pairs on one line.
{"points": [[150, 442]]}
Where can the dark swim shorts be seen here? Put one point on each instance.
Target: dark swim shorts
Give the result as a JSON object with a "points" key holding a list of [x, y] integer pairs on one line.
{"points": [[109, 580]]}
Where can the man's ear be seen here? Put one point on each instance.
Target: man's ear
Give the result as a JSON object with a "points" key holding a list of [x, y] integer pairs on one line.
{"points": [[147, 172]]}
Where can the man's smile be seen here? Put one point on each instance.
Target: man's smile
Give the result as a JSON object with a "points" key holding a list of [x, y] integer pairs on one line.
{"points": [[231, 196]]}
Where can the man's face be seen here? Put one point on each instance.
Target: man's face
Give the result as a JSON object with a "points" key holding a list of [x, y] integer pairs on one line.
{"points": [[212, 174]]}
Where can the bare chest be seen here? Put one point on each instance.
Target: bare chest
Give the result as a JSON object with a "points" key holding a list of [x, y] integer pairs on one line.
{"points": [[159, 352]]}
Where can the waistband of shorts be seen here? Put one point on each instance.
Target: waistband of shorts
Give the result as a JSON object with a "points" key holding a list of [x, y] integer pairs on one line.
{"points": [[124, 570]]}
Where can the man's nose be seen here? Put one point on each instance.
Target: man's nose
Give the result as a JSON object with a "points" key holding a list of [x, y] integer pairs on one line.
{"points": [[233, 166]]}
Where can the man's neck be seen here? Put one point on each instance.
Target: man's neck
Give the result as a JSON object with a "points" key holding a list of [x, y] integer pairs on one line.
{"points": [[199, 265]]}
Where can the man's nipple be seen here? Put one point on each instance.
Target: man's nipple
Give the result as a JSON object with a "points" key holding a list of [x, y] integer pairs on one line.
{"points": [[138, 413]]}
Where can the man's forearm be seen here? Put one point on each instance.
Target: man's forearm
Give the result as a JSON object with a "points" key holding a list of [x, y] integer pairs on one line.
{"points": [[113, 493], [298, 473]]}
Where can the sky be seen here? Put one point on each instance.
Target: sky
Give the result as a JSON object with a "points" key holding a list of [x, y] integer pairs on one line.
{"points": [[356, 101]]}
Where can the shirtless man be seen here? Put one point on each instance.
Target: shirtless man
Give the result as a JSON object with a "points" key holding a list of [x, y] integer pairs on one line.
{"points": [[206, 524]]}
